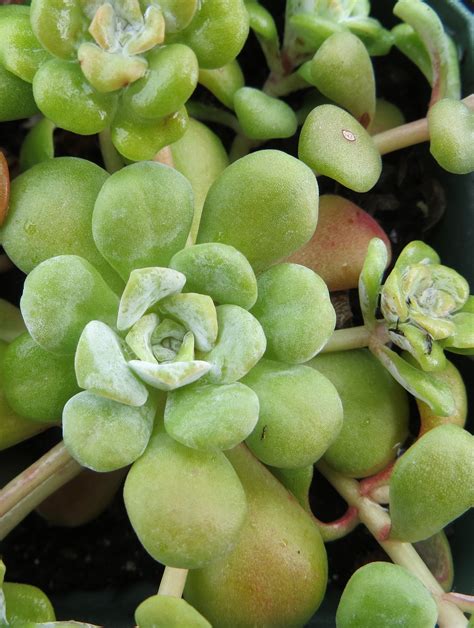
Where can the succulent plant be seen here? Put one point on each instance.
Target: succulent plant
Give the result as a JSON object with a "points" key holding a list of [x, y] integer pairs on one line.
{"points": [[177, 323]]}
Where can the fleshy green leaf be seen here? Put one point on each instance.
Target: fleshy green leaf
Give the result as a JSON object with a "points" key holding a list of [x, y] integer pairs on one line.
{"points": [[370, 279], [263, 117], [443, 460], [334, 144], [101, 366], [265, 205], [38, 144], [240, 345], [295, 311], [217, 32], [102, 434], [421, 385], [197, 313], [342, 70], [137, 230], [64, 95], [139, 337], [261, 21], [20, 51], [145, 287], [218, 270], [169, 82], [205, 416], [164, 611], [170, 375], [451, 127], [463, 336], [54, 312], [59, 27]]}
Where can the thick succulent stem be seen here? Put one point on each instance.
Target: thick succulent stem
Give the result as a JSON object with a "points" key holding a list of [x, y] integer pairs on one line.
{"points": [[462, 601], [345, 339], [112, 159], [282, 85], [20, 496], [339, 528], [376, 486], [165, 156], [173, 581], [241, 146], [408, 134], [208, 113], [377, 521]]}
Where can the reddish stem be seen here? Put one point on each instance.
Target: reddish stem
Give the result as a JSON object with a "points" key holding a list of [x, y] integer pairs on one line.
{"points": [[461, 600], [4, 188], [337, 529], [368, 485]]}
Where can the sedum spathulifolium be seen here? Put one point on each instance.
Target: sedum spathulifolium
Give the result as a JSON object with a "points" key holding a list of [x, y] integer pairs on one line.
{"points": [[182, 340], [128, 66], [426, 310]]}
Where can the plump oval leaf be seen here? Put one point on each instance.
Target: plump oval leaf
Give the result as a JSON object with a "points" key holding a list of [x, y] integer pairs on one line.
{"points": [[37, 383], [431, 483], [170, 80], [186, 506], [375, 412], [64, 95], [295, 312], [334, 144], [383, 594], [59, 192], [263, 117], [342, 70], [217, 32], [265, 205], [60, 297], [451, 127], [137, 230], [104, 435], [164, 611], [300, 414], [206, 416], [218, 270]]}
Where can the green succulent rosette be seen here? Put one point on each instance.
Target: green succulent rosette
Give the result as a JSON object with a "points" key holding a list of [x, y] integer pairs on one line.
{"points": [[309, 24], [170, 364], [426, 310], [128, 66]]}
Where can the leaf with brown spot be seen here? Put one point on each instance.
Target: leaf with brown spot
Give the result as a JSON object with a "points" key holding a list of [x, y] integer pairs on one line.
{"points": [[4, 188]]}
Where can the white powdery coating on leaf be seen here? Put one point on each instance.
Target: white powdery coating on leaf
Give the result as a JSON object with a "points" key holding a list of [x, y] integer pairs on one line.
{"points": [[197, 313], [171, 375], [145, 287], [101, 366]]}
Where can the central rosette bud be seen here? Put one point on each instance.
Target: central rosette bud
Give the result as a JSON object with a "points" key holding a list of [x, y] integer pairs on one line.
{"points": [[171, 340], [122, 33], [422, 301]]}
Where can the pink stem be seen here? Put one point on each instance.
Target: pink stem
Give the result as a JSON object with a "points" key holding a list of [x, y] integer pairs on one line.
{"points": [[368, 485], [338, 528], [461, 600]]}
